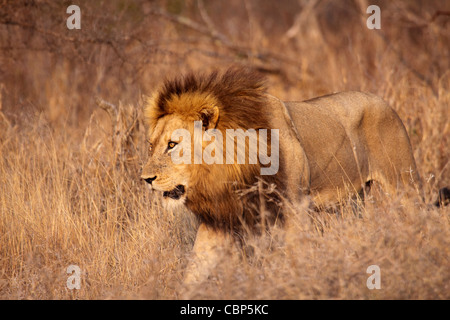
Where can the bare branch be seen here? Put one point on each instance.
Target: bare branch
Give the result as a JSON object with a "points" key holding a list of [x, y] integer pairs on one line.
{"points": [[190, 24], [110, 42], [264, 56], [209, 22]]}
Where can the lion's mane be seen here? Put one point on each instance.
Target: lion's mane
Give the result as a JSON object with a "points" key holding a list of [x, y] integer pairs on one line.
{"points": [[223, 196]]}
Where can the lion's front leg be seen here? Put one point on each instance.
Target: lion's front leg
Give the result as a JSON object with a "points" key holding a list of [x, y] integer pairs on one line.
{"points": [[209, 248]]}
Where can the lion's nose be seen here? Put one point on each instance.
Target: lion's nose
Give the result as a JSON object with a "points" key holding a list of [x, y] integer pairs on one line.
{"points": [[150, 180]]}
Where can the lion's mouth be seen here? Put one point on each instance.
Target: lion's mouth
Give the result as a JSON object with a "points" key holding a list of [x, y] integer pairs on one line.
{"points": [[175, 193]]}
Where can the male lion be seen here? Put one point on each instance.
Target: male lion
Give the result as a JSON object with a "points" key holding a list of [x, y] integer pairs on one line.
{"points": [[329, 147]]}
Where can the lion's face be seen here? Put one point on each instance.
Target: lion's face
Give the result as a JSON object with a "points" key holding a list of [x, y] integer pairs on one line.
{"points": [[220, 114], [160, 171]]}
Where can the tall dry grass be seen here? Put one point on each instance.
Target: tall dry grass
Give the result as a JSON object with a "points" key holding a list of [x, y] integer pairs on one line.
{"points": [[70, 192]]}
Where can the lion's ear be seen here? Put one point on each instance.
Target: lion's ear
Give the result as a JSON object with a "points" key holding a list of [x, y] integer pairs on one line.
{"points": [[210, 117]]}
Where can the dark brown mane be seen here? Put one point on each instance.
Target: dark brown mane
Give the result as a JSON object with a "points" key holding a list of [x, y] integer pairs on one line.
{"points": [[223, 196], [239, 92]]}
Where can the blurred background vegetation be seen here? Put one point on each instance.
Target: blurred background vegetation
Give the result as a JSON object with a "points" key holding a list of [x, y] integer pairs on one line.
{"points": [[55, 148]]}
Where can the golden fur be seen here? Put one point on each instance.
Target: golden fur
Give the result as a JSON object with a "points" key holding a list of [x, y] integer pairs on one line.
{"points": [[330, 147], [212, 191]]}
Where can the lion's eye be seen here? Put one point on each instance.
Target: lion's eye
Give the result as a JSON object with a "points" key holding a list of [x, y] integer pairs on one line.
{"points": [[150, 146], [171, 144]]}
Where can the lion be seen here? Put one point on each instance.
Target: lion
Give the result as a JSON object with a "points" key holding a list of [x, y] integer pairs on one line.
{"points": [[328, 148]]}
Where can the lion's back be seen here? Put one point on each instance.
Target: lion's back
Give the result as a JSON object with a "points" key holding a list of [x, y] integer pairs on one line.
{"points": [[341, 133]]}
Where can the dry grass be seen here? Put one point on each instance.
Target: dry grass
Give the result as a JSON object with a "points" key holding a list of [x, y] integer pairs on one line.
{"points": [[70, 195]]}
